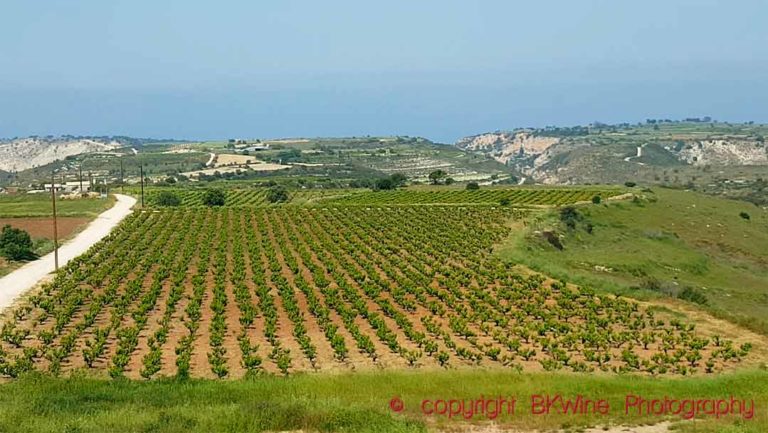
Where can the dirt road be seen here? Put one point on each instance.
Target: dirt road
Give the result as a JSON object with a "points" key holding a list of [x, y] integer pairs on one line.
{"points": [[15, 284]]}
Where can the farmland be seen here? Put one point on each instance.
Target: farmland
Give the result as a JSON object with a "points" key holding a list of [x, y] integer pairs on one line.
{"points": [[238, 197], [234, 292], [506, 196], [32, 213], [409, 292], [39, 205]]}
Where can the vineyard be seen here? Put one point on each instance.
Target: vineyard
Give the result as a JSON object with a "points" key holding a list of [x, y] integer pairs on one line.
{"points": [[507, 196], [234, 292], [238, 197]]}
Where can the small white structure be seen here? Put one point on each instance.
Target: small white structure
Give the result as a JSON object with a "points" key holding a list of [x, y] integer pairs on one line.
{"points": [[68, 187], [255, 148]]}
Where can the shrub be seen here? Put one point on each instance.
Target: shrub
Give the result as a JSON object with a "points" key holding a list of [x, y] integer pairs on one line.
{"points": [[744, 215], [553, 239], [505, 202], [471, 186], [214, 197], [277, 194], [15, 244], [693, 295], [630, 184], [570, 216], [167, 198], [596, 199]]}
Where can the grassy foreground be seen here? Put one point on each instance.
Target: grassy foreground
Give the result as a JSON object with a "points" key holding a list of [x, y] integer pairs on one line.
{"points": [[349, 402]]}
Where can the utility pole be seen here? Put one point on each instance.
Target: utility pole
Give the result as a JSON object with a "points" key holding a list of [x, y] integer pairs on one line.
{"points": [[141, 171], [122, 187], [55, 229]]}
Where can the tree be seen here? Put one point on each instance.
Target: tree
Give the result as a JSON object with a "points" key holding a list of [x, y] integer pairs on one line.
{"points": [[398, 179], [214, 197], [471, 186], [167, 199], [15, 244], [384, 183], [630, 184], [277, 194], [744, 215], [437, 176], [596, 199], [449, 181]]}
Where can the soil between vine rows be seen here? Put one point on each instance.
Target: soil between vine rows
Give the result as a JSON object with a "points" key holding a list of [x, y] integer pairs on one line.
{"points": [[240, 291]]}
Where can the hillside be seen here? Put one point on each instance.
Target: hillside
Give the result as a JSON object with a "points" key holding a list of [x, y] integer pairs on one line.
{"points": [[617, 153], [671, 243], [25, 153]]}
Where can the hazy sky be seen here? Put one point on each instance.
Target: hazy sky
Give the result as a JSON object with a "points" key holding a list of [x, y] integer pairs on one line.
{"points": [[440, 69]]}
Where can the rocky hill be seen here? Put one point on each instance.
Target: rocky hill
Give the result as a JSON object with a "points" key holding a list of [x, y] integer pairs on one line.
{"points": [[613, 153], [504, 146], [25, 153], [734, 151]]}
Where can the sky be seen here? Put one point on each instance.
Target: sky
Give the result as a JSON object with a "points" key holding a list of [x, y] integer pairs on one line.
{"points": [[441, 69]]}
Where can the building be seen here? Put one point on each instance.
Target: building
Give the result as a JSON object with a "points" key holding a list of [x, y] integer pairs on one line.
{"points": [[68, 187], [255, 148]]}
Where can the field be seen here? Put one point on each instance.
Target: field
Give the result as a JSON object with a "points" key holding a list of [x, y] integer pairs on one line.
{"points": [[408, 295], [42, 227], [39, 205], [234, 292], [242, 197], [494, 196], [33, 213], [41, 231], [517, 197]]}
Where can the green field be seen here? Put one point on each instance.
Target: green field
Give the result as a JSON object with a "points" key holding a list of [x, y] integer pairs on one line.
{"points": [[39, 205]]}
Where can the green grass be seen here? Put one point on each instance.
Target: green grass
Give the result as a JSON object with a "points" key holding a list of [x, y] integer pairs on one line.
{"points": [[354, 402], [39, 205], [672, 239]]}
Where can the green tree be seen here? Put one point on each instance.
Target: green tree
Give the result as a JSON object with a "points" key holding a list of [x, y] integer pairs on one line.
{"points": [[384, 183], [596, 199], [398, 179], [15, 244], [277, 194], [437, 176], [167, 199], [471, 186], [214, 197]]}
